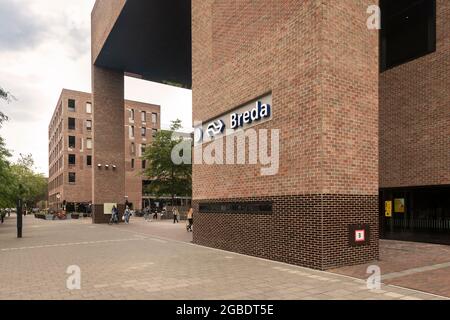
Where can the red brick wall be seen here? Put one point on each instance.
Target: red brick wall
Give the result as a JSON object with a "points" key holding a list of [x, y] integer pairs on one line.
{"points": [[108, 186], [104, 15], [320, 62], [313, 66], [286, 62], [415, 116], [349, 99]]}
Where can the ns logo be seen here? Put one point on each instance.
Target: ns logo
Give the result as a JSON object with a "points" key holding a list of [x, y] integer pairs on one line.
{"points": [[215, 128]]}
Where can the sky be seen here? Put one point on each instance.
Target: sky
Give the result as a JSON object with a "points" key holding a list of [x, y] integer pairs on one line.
{"points": [[45, 47]]}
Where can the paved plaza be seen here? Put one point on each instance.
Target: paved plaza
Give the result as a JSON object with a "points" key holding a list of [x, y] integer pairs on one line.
{"points": [[156, 260], [420, 266]]}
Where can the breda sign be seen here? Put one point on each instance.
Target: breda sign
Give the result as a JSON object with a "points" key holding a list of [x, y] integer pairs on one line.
{"points": [[260, 111], [245, 116]]}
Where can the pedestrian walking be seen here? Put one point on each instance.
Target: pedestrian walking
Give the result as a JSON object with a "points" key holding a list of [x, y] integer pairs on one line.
{"points": [[147, 213], [190, 217], [114, 215], [176, 213], [127, 215]]}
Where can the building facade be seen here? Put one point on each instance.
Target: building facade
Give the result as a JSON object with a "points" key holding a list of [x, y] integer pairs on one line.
{"points": [[415, 126], [344, 99], [71, 142]]}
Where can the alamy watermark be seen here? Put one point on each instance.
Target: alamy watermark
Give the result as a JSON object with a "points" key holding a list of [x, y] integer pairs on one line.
{"points": [[234, 147], [73, 282], [374, 20], [374, 280]]}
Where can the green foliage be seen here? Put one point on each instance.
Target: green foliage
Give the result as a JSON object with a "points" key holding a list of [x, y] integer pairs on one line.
{"points": [[168, 179], [20, 181], [30, 186], [6, 178]]}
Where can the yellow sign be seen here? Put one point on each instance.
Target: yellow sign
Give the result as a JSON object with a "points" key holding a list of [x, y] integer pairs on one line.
{"points": [[399, 205], [388, 209], [107, 208]]}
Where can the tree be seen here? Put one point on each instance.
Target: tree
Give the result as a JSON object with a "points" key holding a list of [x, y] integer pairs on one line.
{"points": [[6, 178], [4, 95], [19, 180], [30, 186], [167, 178]]}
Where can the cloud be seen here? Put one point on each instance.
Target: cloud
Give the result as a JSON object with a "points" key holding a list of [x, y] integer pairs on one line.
{"points": [[19, 27], [25, 25], [78, 41], [45, 48]]}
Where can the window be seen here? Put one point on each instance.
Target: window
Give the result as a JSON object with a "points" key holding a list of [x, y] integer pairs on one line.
{"points": [[144, 164], [143, 132], [154, 132], [143, 146], [71, 105], [408, 31], [89, 143], [72, 159], [89, 125], [72, 177], [89, 160], [132, 114], [89, 107], [72, 143], [132, 163], [131, 131], [154, 117], [143, 116], [71, 123], [133, 148]]}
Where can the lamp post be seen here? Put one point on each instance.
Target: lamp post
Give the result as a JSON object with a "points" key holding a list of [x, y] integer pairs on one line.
{"points": [[19, 212], [19, 218]]}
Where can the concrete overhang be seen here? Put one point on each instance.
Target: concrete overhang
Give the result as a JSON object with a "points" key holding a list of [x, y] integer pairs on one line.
{"points": [[149, 39]]}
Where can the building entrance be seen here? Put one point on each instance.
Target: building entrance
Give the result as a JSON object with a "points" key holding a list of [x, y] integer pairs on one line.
{"points": [[416, 214]]}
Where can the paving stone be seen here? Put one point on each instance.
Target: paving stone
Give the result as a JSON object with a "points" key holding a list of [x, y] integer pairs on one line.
{"points": [[116, 265]]}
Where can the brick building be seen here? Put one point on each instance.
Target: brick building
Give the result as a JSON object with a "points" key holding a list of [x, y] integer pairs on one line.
{"points": [[415, 125], [71, 141], [349, 103]]}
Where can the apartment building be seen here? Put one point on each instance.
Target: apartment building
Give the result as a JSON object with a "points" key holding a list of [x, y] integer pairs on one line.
{"points": [[71, 143]]}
